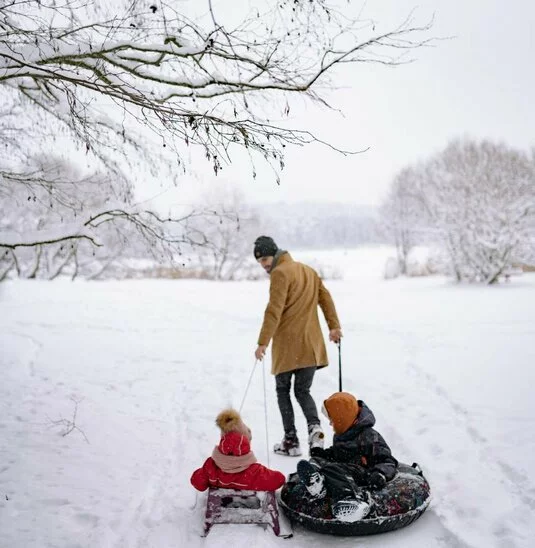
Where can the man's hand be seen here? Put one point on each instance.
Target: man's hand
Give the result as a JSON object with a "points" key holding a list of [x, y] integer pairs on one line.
{"points": [[260, 351], [335, 335]]}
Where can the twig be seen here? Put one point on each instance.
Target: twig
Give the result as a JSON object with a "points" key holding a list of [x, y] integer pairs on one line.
{"points": [[69, 425]]}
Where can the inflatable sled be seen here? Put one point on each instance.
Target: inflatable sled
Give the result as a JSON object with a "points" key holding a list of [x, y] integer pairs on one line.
{"points": [[402, 501]]}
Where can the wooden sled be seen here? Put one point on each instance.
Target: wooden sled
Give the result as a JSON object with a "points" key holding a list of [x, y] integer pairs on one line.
{"points": [[235, 506]]}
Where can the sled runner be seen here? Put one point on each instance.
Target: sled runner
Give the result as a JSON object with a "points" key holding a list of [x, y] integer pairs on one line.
{"points": [[235, 506], [401, 502]]}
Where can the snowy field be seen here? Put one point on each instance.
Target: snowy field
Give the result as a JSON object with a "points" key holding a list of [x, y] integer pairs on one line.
{"points": [[448, 371]]}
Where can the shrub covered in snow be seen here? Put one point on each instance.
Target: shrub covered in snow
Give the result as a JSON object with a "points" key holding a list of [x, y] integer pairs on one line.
{"points": [[474, 199]]}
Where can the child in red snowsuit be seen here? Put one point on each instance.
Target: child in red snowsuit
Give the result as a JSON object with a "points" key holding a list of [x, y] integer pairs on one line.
{"points": [[233, 465]]}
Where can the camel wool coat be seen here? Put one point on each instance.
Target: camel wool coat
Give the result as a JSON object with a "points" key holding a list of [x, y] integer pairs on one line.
{"points": [[291, 318]]}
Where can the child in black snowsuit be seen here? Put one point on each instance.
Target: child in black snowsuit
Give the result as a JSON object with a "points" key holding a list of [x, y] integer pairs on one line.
{"points": [[358, 460]]}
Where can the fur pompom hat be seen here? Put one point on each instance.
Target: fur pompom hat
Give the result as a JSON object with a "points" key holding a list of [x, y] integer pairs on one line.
{"points": [[229, 420], [343, 410]]}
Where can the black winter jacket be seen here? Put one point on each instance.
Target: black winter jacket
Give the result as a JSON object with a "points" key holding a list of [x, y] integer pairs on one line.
{"points": [[361, 444]]}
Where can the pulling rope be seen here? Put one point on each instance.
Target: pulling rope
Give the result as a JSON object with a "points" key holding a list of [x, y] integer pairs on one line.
{"points": [[265, 403], [265, 414], [247, 387]]}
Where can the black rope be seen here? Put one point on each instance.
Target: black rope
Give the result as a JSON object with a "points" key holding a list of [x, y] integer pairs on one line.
{"points": [[340, 365]]}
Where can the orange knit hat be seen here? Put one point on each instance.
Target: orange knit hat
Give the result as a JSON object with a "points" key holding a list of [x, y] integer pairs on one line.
{"points": [[343, 410]]}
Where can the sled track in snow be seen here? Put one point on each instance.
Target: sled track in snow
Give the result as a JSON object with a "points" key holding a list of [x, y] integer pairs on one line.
{"points": [[156, 513], [152, 504], [37, 346], [520, 483]]}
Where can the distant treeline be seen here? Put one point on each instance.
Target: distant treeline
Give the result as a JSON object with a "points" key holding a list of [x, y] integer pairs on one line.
{"points": [[314, 225]]}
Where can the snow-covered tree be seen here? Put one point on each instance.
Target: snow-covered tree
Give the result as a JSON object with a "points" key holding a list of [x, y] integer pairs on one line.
{"points": [[480, 200], [124, 87], [401, 214], [227, 231], [52, 193]]}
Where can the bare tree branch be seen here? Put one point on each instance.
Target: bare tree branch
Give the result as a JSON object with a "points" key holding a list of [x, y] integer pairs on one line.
{"points": [[129, 85], [159, 73]]}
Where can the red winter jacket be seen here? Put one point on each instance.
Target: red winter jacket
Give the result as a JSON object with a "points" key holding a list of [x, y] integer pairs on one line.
{"points": [[256, 477]]}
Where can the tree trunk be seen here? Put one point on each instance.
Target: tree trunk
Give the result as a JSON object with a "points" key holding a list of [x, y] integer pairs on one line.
{"points": [[104, 267], [75, 258], [33, 273], [16, 261], [3, 275], [62, 266]]}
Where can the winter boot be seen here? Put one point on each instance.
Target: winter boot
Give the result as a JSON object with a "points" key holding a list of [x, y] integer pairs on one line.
{"points": [[350, 510], [316, 437], [312, 478], [289, 446]]}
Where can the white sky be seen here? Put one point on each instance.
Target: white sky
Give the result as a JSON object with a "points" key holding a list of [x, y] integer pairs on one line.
{"points": [[480, 84]]}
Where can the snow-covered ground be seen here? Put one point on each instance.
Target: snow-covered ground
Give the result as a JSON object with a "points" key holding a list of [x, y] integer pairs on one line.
{"points": [[448, 370]]}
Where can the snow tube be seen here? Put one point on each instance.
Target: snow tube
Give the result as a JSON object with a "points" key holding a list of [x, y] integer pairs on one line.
{"points": [[402, 501]]}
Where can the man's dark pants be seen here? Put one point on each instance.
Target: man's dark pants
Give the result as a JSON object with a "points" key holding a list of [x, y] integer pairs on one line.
{"points": [[302, 382]]}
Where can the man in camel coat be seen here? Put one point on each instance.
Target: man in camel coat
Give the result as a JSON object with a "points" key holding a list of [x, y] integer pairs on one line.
{"points": [[291, 323]]}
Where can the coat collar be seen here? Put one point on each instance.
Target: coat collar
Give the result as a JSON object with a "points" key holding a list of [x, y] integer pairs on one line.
{"points": [[281, 257]]}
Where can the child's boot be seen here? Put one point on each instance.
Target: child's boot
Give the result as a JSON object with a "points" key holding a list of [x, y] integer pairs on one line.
{"points": [[353, 509], [312, 478]]}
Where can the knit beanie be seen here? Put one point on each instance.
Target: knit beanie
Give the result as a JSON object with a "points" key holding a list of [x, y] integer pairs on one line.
{"points": [[264, 246], [234, 444], [343, 410]]}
